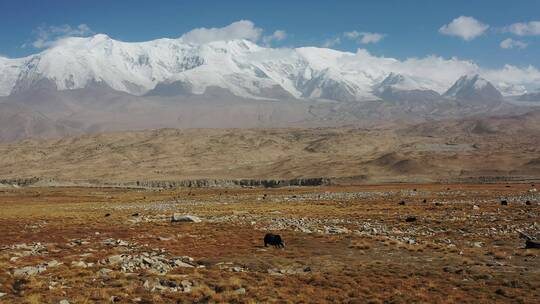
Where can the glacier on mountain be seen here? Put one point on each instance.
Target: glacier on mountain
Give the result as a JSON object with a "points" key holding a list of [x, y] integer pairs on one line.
{"points": [[239, 66]]}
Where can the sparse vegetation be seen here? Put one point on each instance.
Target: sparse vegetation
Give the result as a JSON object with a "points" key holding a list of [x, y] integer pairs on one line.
{"points": [[343, 244]]}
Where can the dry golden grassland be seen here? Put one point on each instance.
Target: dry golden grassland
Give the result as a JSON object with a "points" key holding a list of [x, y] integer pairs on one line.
{"points": [[346, 244]]}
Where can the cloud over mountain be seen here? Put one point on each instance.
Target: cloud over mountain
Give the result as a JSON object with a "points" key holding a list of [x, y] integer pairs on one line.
{"points": [[48, 35], [364, 37], [464, 27], [243, 29], [228, 58]]}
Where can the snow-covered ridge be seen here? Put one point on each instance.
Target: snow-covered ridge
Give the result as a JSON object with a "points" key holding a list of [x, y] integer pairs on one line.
{"points": [[239, 66], [473, 88]]}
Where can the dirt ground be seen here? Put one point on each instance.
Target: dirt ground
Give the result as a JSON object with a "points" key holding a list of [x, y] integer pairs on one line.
{"points": [[436, 243]]}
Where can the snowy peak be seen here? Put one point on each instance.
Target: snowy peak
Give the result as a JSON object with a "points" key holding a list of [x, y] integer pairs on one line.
{"points": [[397, 87], [473, 88], [175, 67], [398, 82]]}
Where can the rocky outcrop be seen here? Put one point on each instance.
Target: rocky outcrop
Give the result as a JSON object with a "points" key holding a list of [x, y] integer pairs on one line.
{"points": [[21, 182], [217, 183], [177, 217]]}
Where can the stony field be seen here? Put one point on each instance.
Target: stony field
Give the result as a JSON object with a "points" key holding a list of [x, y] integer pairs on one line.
{"points": [[347, 244]]}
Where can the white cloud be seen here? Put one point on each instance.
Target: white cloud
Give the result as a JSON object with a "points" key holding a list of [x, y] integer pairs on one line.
{"points": [[364, 37], [276, 36], [524, 29], [467, 28], [243, 29], [48, 35], [439, 73], [331, 42], [511, 43]]}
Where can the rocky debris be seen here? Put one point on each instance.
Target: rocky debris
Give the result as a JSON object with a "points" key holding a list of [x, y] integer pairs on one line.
{"points": [[63, 302], [118, 242], [290, 270], [240, 291], [81, 264], [165, 238], [23, 250], [477, 244], [53, 263], [20, 182], [29, 270], [78, 242], [168, 284], [504, 202], [104, 272], [409, 240], [155, 262], [231, 267], [217, 183], [305, 225], [533, 196], [185, 218], [2, 294], [335, 230]]}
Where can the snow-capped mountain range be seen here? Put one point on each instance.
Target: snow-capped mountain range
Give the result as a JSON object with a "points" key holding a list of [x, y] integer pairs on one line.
{"points": [[245, 69]]}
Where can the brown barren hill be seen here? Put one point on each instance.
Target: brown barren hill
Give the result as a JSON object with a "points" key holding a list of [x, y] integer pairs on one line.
{"points": [[495, 147]]}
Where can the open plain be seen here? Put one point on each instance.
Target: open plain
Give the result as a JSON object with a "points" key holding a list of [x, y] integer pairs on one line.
{"points": [[396, 243]]}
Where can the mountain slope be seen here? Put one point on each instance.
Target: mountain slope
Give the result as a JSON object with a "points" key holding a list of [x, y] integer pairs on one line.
{"points": [[498, 147], [170, 67], [19, 122], [473, 88], [397, 87]]}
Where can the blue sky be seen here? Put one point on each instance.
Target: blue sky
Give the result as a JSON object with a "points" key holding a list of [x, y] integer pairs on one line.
{"points": [[408, 28]]}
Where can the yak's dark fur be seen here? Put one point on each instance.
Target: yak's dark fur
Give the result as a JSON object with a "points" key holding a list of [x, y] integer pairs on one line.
{"points": [[274, 240]]}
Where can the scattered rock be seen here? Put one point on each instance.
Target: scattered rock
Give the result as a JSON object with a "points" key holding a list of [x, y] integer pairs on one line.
{"points": [[114, 243], [402, 203], [115, 259], [504, 202], [237, 269], [81, 264], [475, 207], [240, 291], [336, 230], [478, 244], [29, 270], [182, 218], [171, 285], [103, 272], [154, 262], [2, 294], [53, 263], [63, 302]]}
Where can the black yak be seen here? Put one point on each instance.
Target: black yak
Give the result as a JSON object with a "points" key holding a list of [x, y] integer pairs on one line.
{"points": [[274, 240]]}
